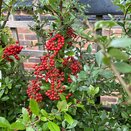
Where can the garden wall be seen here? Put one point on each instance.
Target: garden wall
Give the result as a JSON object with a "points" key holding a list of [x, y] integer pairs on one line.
{"points": [[28, 40]]}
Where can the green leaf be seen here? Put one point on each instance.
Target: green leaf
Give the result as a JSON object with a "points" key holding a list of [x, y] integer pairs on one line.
{"points": [[53, 127], [99, 56], [73, 125], [25, 115], [1, 93], [124, 115], [92, 91], [70, 53], [103, 115], [83, 88], [4, 38], [120, 23], [118, 54], [34, 107], [89, 48], [106, 74], [4, 122], [43, 118], [123, 67], [73, 78], [1, 51], [45, 85], [97, 90], [68, 118], [82, 75], [103, 24], [86, 68], [44, 113], [125, 128], [45, 127], [17, 126], [5, 98], [62, 97], [121, 43], [62, 105], [106, 60], [29, 129]]}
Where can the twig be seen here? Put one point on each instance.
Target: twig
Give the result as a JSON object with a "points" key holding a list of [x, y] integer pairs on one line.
{"points": [[124, 19], [0, 6], [61, 7], [8, 14], [122, 82]]}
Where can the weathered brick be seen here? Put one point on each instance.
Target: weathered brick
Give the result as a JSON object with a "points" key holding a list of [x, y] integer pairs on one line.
{"points": [[25, 42], [24, 30], [117, 31], [31, 48], [109, 98], [30, 37], [34, 60], [107, 32], [29, 65], [21, 36]]}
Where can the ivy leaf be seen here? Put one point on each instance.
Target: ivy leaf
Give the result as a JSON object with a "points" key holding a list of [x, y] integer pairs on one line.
{"points": [[123, 67], [34, 107], [18, 126], [53, 127], [68, 118], [118, 54], [4, 122], [121, 43]]}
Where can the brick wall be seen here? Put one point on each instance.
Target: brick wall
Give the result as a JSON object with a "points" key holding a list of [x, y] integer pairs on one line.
{"points": [[28, 40]]}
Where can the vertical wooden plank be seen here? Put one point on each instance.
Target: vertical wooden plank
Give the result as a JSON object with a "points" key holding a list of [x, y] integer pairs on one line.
{"points": [[13, 29]]}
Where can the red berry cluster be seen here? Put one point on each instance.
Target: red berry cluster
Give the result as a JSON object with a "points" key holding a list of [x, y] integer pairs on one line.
{"points": [[48, 71], [55, 43], [33, 90], [70, 33], [12, 50], [73, 64], [69, 95]]}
